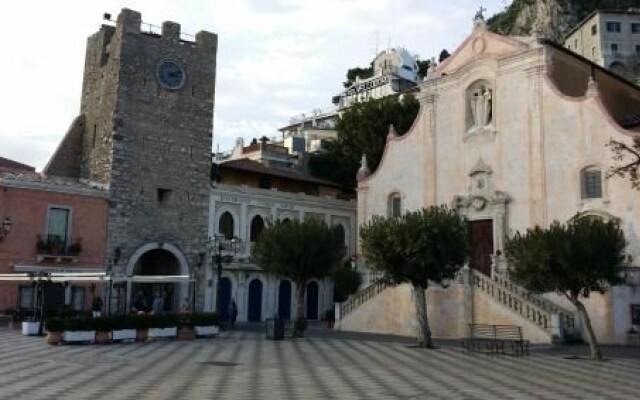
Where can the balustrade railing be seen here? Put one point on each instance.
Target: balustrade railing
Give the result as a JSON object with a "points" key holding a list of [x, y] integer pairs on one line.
{"points": [[362, 297], [530, 306]]}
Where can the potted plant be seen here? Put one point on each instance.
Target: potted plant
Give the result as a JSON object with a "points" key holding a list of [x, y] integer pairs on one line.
{"points": [[186, 330], [141, 324], [54, 328], [78, 330], [163, 325], [124, 328], [206, 324], [103, 327], [30, 328], [74, 249]]}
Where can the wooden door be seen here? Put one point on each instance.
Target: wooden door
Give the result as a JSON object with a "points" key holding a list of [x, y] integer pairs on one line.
{"points": [[481, 245]]}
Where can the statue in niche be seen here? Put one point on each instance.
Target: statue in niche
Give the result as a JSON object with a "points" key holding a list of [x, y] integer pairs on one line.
{"points": [[481, 107]]}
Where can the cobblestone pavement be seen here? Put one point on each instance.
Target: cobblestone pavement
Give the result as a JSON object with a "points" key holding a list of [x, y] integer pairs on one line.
{"points": [[243, 365]]}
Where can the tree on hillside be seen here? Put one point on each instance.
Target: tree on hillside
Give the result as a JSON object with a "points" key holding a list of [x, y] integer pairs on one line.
{"points": [[444, 54], [363, 129], [419, 248], [300, 251], [626, 161], [574, 259]]}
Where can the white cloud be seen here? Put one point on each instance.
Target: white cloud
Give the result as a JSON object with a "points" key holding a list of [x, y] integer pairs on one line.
{"points": [[276, 58]]}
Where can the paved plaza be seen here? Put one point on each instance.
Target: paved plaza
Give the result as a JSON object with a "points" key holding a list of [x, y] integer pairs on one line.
{"points": [[243, 365]]}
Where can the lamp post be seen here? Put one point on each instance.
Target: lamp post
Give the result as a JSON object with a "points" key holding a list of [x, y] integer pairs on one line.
{"points": [[5, 228], [222, 252]]}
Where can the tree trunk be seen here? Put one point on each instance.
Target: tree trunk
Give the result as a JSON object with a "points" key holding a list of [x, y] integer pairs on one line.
{"points": [[424, 333], [300, 324], [596, 355]]}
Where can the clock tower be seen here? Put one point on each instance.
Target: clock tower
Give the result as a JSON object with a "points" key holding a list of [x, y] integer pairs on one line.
{"points": [[145, 133]]}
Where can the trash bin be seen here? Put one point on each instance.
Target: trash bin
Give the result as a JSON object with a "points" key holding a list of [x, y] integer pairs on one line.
{"points": [[275, 329]]}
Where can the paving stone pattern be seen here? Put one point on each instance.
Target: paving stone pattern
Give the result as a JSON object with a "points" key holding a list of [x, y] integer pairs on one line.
{"points": [[243, 365]]}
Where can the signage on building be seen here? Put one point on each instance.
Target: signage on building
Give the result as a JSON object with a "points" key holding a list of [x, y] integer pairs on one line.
{"points": [[368, 85]]}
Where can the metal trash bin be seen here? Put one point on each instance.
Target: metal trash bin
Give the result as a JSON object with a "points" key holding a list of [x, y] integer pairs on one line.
{"points": [[275, 329]]}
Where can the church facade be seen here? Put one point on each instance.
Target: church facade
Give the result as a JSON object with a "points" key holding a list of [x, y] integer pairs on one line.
{"points": [[512, 133]]}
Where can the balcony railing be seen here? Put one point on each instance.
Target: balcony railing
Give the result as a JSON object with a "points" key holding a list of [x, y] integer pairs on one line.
{"points": [[58, 246]]}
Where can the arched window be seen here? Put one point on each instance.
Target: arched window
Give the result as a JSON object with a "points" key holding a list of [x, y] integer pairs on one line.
{"points": [[394, 206], [257, 225], [479, 106], [225, 225], [591, 183]]}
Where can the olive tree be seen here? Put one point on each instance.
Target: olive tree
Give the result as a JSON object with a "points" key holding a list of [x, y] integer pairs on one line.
{"points": [[300, 251], [574, 259], [419, 248]]}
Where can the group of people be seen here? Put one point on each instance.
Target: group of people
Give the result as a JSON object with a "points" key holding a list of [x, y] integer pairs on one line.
{"points": [[139, 303]]}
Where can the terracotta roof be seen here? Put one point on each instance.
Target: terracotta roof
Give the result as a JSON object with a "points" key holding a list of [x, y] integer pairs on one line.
{"points": [[7, 165], [247, 165]]}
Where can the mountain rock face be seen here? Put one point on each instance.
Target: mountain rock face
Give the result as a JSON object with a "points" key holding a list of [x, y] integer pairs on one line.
{"points": [[551, 19]]}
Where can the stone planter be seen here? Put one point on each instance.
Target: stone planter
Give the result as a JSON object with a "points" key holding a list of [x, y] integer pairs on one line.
{"points": [[125, 334], [103, 337], [79, 336], [142, 335], [30, 328], [186, 333], [158, 333], [210, 330], [54, 338]]}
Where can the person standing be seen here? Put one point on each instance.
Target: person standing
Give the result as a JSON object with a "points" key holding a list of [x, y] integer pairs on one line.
{"points": [[158, 303], [96, 307], [233, 312]]}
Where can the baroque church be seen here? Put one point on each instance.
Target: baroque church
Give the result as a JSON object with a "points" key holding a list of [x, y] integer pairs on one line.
{"points": [[512, 133]]}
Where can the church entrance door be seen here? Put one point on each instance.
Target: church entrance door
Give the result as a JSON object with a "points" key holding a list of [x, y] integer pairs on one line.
{"points": [[481, 245]]}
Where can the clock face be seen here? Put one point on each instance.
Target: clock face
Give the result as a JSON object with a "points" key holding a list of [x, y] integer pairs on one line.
{"points": [[171, 75]]}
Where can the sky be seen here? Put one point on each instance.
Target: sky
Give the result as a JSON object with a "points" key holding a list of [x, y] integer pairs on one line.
{"points": [[276, 58]]}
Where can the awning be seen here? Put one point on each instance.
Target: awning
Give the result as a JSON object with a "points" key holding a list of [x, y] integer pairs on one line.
{"points": [[91, 277]]}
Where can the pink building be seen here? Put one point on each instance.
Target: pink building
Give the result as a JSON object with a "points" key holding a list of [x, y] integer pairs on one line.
{"points": [[49, 225]]}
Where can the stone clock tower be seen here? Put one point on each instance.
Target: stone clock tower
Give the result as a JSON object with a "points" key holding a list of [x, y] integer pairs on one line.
{"points": [[145, 133]]}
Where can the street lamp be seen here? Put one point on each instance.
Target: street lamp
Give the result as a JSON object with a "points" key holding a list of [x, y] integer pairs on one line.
{"points": [[5, 228], [222, 252]]}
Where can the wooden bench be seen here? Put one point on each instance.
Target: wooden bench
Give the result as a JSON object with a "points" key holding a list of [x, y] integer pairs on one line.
{"points": [[503, 339]]}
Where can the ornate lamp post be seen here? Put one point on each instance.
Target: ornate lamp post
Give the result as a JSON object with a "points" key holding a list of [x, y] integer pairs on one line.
{"points": [[5, 228], [222, 252]]}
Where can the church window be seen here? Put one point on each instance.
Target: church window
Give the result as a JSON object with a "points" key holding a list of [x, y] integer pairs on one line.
{"points": [[594, 29], [225, 225], [395, 205], [479, 109], [95, 133], [591, 183], [257, 225]]}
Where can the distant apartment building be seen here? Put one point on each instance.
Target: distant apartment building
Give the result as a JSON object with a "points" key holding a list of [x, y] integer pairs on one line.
{"points": [[394, 71], [610, 39]]}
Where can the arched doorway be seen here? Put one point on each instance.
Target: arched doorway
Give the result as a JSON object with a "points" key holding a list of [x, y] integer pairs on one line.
{"points": [[284, 300], [254, 310], [226, 225], [225, 298], [312, 300], [156, 262]]}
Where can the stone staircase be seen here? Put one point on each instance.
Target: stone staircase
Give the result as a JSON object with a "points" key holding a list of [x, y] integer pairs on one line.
{"points": [[545, 315], [534, 308]]}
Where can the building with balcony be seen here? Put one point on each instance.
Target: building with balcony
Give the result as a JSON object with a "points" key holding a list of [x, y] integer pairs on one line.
{"points": [[610, 39], [57, 225], [245, 195]]}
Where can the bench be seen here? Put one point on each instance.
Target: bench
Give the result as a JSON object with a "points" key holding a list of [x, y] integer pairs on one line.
{"points": [[503, 339]]}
